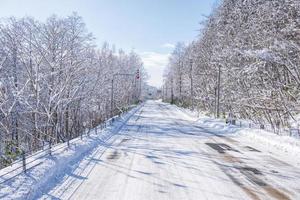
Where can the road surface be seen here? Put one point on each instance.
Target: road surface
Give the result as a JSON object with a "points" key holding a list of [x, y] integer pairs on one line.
{"points": [[161, 153]]}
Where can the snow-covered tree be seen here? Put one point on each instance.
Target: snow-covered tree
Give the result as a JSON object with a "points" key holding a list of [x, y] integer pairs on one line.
{"points": [[254, 46], [55, 83]]}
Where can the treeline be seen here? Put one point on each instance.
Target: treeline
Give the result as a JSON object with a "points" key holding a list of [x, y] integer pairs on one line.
{"points": [[246, 61], [55, 83]]}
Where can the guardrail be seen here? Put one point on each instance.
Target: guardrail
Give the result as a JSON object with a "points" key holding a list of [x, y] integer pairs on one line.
{"points": [[27, 162]]}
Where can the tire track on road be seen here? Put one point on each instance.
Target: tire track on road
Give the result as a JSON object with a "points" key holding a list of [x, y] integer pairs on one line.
{"points": [[218, 143]]}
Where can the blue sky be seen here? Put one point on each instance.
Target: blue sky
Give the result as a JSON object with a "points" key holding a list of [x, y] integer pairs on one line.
{"points": [[150, 27]]}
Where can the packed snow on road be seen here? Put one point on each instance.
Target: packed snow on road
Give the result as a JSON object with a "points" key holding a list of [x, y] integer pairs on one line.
{"points": [[160, 151]]}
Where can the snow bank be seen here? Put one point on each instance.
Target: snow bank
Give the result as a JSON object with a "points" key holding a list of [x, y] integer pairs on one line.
{"points": [[47, 169], [186, 113], [269, 140]]}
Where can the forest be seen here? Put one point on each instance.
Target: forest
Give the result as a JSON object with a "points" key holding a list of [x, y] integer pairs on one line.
{"points": [[55, 83], [244, 63]]}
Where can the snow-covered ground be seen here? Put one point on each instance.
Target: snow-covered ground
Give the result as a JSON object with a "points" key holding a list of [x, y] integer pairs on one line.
{"points": [[45, 170], [160, 151]]}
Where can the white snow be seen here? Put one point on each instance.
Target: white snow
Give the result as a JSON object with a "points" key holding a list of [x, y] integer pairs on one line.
{"points": [[161, 151], [50, 168], [270, 140]]}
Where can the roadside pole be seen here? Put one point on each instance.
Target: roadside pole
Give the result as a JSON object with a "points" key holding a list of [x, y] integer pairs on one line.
{"points": [[218, 92], [191, 83], [112, 97], [140, 98]]}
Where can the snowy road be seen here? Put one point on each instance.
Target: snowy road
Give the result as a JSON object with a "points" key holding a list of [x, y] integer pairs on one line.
{"points": [[161, 153]]}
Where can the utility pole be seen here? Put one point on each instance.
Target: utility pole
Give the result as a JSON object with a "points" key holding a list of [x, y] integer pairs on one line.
{"points": [[140, 87], [180, 80], [218, 92], [191, 84], [112, 97]]}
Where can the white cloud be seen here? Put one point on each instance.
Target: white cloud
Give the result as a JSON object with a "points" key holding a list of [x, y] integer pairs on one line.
{"points": [[168, 45], [153, 59], [155, 63]]}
